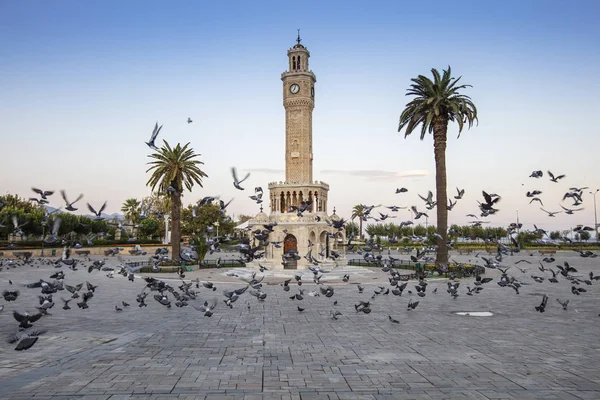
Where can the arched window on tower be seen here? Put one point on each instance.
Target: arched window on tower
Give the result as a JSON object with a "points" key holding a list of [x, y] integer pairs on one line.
{"points": [[298, 67], [294, 63]]}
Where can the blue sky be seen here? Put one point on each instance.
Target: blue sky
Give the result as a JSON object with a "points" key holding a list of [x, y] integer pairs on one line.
{"points": [[82, 84]]}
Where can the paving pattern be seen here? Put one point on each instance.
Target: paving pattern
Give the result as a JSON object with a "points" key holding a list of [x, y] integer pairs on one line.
{"points": [[270, 350]]}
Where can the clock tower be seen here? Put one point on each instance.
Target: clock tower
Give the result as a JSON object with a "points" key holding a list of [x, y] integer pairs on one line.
{"points": [[298, 205], [298, 101]]}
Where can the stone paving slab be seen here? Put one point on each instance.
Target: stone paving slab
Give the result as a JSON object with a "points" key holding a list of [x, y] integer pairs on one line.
{"points": [[270, 350]]}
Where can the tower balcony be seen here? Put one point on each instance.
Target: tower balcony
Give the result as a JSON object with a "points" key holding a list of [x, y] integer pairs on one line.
{"points": [[299, 72]]}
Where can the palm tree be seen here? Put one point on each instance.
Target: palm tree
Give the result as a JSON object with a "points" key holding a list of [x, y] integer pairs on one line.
{"points": [[436, 103], [173, 168], [358, 212], [131, 208]]}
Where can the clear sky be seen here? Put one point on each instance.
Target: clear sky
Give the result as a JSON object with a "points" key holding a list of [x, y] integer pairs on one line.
{"points": [[83, 83]]}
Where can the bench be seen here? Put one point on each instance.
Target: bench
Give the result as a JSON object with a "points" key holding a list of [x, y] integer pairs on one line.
{"points": [[547, 252], [1, 254], [25, 254], [465, 251], [82, 252]]}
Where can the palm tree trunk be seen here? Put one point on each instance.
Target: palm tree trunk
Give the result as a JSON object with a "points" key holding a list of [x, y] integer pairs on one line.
{"points": [[440, 127], [176, 225], [360, 233]]}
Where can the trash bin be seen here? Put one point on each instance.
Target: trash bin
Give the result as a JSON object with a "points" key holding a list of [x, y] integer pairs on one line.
{"points": [[53, 252], [418, 267]]}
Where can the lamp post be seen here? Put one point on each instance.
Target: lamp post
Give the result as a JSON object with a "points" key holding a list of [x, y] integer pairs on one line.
{"points": [[595, 214], [217, 225], [518, 229], [44, 234], [167, 236]]}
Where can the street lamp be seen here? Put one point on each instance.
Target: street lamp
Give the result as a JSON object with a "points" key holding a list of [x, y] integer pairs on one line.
{"points": [[217, 225], [44, 234], [595, 214], [167, 235], [518, 229]]}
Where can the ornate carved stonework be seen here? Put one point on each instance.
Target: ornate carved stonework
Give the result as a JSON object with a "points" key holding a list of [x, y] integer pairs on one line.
{"points": [[287, 103]]}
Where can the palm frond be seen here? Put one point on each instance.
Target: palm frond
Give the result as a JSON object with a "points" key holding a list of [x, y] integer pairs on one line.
{"points": [[437, 101], [175, 166]]}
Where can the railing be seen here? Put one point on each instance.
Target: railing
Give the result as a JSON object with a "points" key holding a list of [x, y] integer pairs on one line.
{"points": [[224, 263]]}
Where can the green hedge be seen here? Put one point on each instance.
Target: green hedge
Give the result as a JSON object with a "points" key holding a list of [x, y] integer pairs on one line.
{"points": [[482, 246], [36, 244], [413, 266]]}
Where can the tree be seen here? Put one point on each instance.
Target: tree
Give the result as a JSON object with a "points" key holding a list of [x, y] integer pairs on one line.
{"points": [[171, 169], [206, 215], [351, 229], [131, 210], [555, 235], [358, 212], [371, 230], [148, 227], [585, 236], [25, 211], [420, 230], [437, 103], [157, 203]]}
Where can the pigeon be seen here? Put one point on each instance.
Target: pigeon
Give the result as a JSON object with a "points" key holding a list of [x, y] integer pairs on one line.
{"points": [[550, 213], [66, 303], [460, 195], [25, 320], [163, 299], [98, 214], [395, 321], [155, 133], [553, 178], [207, 307], [536, 199], [53, 237], [10, 295], [570, 211], [26, 340], [189, 120], [43, 193], [563, 304], [542, 307], [533, 193], [69, 205], [236, 182]]}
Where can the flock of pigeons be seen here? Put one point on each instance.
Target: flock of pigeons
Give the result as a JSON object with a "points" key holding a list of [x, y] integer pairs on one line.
{"points": [[66, 286], [59, 284]]}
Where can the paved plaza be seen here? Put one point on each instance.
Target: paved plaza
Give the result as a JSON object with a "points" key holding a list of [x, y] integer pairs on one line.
{"points": [[270, 350]]}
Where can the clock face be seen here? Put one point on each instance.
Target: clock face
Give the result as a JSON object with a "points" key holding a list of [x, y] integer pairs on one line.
{"points": [[295, 88], [312, 91]]}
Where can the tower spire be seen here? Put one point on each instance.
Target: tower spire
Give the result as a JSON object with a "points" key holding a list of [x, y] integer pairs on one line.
{"points": [[298, 39]]}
